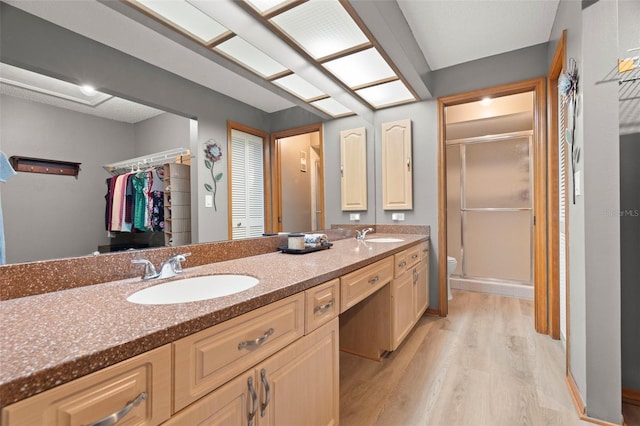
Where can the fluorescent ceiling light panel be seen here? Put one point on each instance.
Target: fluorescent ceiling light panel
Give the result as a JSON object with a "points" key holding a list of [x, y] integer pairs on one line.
{"points": [[299, 87], [321, 27], [250, 56], [263, 6], [360, 68], [187, 17], [386, 94], [331, 107]]}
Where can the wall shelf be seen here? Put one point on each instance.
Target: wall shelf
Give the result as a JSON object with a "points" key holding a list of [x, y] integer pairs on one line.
{"points": [[46, 166]]}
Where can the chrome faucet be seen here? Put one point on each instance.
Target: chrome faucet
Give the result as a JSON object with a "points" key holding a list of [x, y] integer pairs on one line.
{"points": [[169, 268], [361, 234]]}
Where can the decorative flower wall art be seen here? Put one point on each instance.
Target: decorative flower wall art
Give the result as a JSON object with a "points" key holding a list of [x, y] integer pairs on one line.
{"points": [[213, 154], [568, 87]]}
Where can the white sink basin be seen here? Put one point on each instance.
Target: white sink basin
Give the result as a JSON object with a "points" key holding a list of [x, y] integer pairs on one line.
{"points": [[193, 289], [383, 240]]}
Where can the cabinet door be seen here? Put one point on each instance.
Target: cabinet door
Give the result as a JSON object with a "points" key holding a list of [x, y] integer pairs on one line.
{"points": [[300, 384], [235, 403], [397, 166], [138, 391], [420, 289], [353, 169], [402, 314]]}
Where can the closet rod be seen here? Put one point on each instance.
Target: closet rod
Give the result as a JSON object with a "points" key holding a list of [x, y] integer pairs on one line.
{"points": [[146, 161]]}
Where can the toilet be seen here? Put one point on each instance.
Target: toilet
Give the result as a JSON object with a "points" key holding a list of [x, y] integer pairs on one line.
{"points": [[452, 263]]}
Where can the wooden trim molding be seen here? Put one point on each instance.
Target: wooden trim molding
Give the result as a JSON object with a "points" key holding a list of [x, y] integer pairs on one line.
{"points": [[578, 402], [631, 396], [537, 86], [553, 179]]}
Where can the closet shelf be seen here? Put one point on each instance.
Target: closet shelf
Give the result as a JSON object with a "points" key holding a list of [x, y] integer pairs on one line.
{"points": [[171, 156], [43, 165]]}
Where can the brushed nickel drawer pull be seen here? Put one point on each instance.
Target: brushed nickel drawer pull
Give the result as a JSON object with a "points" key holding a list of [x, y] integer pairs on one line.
{"points": [[256, 342], [323, 308], [402, 264], [374, 280], [251, 412], [114, 418], [267, 391], [414, 256]]}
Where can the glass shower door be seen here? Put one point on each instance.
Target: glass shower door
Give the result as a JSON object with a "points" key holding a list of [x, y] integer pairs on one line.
{"points": [[497, 208]]}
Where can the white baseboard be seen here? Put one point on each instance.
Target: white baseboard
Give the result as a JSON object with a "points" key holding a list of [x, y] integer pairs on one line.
{"points": [[520, 291]]}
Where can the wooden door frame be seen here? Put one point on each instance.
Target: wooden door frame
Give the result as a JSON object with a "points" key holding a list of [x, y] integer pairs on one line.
{"points": [[276, 177], [266, 155], [537, 86], [553, 178]]}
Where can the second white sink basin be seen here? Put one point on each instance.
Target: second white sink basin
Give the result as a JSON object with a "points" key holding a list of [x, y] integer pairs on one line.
{"points": [[193, 289], [383, 240]]}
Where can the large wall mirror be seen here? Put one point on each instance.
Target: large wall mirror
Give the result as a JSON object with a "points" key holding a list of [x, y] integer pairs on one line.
{"points": [[52, 217]]}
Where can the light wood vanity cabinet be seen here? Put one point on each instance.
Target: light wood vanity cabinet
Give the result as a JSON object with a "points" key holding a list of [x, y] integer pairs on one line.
{"points": [[275, 365], [209, 358], [322, 304], [353, 169], [298, 385], [137, 390], [409, 291]]}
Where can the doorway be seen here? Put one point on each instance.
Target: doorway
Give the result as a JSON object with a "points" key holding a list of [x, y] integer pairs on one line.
{"points": [[538, 167], [298, 190]]}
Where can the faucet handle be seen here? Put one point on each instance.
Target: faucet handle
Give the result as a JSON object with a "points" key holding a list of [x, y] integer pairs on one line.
{"points": [[149, 269], [176, 261]]}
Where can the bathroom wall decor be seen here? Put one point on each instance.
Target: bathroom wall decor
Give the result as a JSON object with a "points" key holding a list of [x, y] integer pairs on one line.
{"points": [[568, 87], [213, 154]]}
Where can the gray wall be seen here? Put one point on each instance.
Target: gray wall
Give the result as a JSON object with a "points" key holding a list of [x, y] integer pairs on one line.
{"points": [[423, 117], [161, 133], [630, 253], [48, 216], [594, 235]]}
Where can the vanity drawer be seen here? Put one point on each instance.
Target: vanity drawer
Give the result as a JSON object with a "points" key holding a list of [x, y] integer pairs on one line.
{"points": [[424, 251], [209, 358], [142, 382], [406, 259], [322, 304], [358, 285]]}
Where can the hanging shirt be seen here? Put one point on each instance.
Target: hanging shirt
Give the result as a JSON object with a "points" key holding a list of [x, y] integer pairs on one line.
{"points": [[6, 171], [140, 185], [117, 209]]}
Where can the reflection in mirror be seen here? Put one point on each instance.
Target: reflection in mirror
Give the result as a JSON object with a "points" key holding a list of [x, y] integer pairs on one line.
{"points": [[299, 202], [51, 216]]}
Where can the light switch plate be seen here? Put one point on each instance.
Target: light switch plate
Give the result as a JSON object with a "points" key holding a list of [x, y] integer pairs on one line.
{"points": [[354, 216], [578, 187], [397, 216], [208, 200]]}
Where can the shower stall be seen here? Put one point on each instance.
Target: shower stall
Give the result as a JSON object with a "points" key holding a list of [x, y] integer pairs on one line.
{"points": [[490, 213]]}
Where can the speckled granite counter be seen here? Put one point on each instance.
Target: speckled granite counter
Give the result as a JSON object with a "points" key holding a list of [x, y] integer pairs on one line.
{"points": [[53, 338]]}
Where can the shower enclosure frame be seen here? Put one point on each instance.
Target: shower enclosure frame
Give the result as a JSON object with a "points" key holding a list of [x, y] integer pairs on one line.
{"points": [[485, 139]]}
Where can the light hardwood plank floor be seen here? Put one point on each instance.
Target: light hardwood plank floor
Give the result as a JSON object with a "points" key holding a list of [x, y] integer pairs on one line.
{"points": [[484, 364]]}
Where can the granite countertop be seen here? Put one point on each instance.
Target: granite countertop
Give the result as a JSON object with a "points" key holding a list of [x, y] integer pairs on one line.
{"points": [[52, 338]]}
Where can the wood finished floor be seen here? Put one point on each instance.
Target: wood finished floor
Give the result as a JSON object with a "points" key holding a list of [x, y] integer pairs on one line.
{"points": [[484, 364]]}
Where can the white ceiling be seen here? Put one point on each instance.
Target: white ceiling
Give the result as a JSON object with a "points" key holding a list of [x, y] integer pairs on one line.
{"points": [[452, 32], [449, 32]]}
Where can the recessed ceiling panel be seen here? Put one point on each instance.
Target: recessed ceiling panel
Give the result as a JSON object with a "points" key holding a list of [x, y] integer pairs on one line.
{"points": [[299, 87], [186, 16], [35, 82], [321, 27], [331, 107], [386, 94], [250, 56], [360, 68]]}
